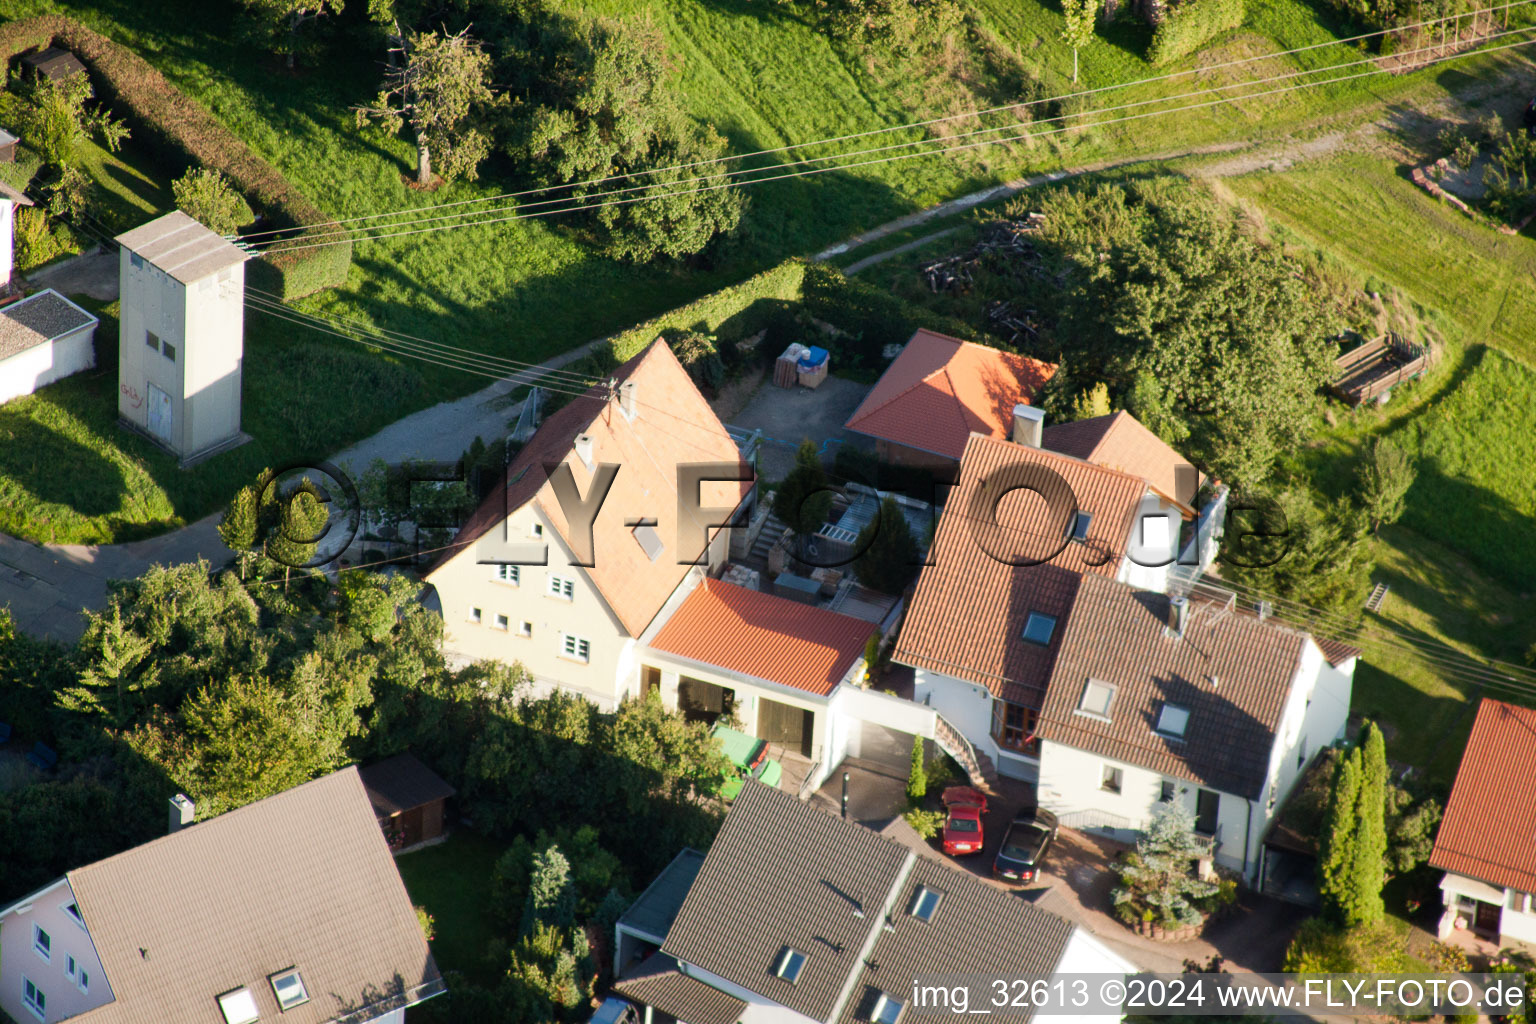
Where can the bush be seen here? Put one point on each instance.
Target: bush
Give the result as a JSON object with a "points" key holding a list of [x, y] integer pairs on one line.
{"points": [[925, 823], [185, 134], [206, 196], [1321, 948], [35, 243], [1191, 25], [700, 357]]}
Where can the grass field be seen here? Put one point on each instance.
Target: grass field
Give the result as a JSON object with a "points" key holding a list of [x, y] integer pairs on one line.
{"points": [[449, 880]]}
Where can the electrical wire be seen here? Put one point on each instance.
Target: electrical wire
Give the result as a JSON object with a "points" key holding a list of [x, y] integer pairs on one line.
{"points": [[1443, 20], [906, 156]]}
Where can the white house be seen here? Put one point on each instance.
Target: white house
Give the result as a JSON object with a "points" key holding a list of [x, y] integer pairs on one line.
{"points": [[799, 917], [43, 338], [232, 920], [1487, 840], [524, 581], [1187, 699], [1020, 529], [181, 343]]}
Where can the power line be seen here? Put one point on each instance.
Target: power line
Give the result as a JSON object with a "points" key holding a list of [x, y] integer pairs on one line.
{"points": [[903, 127], [948, 148]]}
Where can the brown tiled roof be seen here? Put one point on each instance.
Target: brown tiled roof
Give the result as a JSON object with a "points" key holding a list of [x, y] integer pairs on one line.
{"points": [[1489, 828], [765, 636], [673, 425], [976, 930], [781, 873], [402, 783], [302, 879], [1119, 441], [1336, 651], [970, 606], [941, 389], [1232, 672], [658, 983], [784, 873]]}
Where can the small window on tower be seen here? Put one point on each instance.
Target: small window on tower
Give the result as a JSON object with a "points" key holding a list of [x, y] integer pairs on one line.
{"points": [[168, 350], [152, 340]]}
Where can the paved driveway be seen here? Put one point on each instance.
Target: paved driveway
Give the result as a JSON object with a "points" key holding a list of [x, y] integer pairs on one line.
{"points": [[788, 415]]}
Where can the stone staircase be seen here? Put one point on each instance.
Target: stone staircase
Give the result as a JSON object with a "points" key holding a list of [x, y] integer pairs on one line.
{"points": [[773, 529], [977, 766]]}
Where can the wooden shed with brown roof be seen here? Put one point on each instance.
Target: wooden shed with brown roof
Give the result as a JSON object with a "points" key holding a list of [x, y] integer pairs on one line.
{"points": [[409, 799], [53, 63]]}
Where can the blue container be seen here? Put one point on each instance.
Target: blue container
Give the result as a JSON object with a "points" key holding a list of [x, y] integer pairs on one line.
{"points": [[813, 358]]}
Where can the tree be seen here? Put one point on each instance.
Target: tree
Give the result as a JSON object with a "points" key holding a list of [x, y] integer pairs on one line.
{"points": [[1385, 477], [888, 554], [434, 89], [240, 527], [1160, 878], [1368, 873], [676, 756], [283, 18], [551, 894], [207, 197], [604, 104], [300, 525], [1410, 830], [58, 121], [1092, 402], [804, 499], [1289, 546], [1078, 30], [1336, 846], [917, 776]]}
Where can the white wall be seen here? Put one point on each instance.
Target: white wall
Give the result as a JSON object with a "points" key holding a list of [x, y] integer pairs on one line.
{"points": [[759, 1010], [40, 365], [1087, 955], [214, 344], [1151, 547], [1517, 918], [69, 938], [7, 239]]}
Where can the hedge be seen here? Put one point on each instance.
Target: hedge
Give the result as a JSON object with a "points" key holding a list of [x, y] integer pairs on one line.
{"points": [[185, 134], [730, 314], [1190, 25]]}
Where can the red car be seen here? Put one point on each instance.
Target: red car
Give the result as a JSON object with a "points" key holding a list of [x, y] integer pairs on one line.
{"points": [[963, 808]]}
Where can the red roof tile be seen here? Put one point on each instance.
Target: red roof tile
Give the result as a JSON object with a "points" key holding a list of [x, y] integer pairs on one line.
{"points": [[673, 425], [765, 636], [941, 389], [970, 607], [1489, 828], [1119, 441]]}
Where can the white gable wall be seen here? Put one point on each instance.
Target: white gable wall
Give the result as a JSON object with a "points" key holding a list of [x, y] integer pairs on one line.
{"points": [[68, 937], [41, 365]]}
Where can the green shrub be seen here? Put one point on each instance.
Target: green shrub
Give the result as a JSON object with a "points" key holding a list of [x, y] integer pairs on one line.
{"points": [[700, 357], [35, 243], [1191, 25], [165, 119], [925, 823], [1322, 948], [730, 314]]}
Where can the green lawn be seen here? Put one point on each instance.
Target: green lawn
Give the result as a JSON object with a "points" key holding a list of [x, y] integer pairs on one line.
{"points": [[451, 880]]}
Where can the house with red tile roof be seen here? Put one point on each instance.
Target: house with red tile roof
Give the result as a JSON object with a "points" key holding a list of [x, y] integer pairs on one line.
{"points": [[941, 390], [1487, 840], [534, 577], [1119, 441]]}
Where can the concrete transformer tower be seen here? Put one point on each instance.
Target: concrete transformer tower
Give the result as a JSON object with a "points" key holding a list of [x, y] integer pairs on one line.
{"points": [[182, 342]]}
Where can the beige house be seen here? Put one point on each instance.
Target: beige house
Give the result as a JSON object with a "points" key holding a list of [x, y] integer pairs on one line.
{"points": [[523, 582], [287, 909]]}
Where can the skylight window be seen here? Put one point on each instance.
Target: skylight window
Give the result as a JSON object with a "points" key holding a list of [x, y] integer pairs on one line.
{"points": [[239, 1007], [289, 989], [1098, 698], [791, 963], [648, 539], [887, 1010], [1173, 720], [1039, 627], [1078, 531], [925, 903]]}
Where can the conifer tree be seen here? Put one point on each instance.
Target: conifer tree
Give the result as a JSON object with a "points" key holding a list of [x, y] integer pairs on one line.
{"points": [[1336, 853], [1370, 848], [240, 526], [917, 778], [888, 555]]}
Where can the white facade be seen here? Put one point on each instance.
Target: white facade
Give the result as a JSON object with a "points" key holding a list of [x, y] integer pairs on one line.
{"points": [[47, 955], [1073, 782], [968, 707], [181, 345], [50, 359], [7, 240], [1473, 903]]}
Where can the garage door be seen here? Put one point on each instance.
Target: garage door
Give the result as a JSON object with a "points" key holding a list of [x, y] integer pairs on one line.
{"points": [[791, 727]]}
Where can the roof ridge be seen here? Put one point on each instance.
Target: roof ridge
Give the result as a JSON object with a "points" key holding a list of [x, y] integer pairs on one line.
{"points": [[1112, 471]]}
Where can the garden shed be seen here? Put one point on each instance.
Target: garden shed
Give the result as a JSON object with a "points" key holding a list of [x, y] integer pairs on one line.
{"points": [[54, 63], [408, 798], [43, 338]]}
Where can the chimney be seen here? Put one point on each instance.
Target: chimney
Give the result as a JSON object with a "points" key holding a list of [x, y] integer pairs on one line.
{"points": [[583, 447], [627, 399], [1178, 614], [183, 811], [1028, 425], [1265, 610]]}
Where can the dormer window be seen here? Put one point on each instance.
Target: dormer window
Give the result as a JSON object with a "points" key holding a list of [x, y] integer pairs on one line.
{"points": [[790, 963], [1173, 720], [1039, 627], [289, 989], [1078, 529], [924, 903], [239, 1007], [886, 1011], [1098, 698]]}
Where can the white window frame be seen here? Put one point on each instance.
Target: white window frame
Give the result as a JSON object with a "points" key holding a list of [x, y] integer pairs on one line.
{"points": [[791, 965], [38, 1009], [73, 915], [536, 530], [84, 981], [71, 969], [510, 574], [44, 948], [476, 616], [1115, 772], [502, 622], [525, 628], [572, 647], [303, 990], [1109, 701], [884, 1001], [1169, 733], [562, 587], [235, 1011]]}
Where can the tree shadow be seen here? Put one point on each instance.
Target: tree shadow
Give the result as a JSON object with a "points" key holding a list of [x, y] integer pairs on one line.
{"points": [[49, 468]]}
